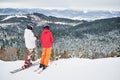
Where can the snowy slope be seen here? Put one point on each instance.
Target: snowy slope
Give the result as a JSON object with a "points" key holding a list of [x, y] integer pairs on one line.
{"points": [[66, 69], [18, 16]]}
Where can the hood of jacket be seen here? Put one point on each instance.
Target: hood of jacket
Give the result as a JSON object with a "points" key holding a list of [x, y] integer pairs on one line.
{"points": [[46, 30]]}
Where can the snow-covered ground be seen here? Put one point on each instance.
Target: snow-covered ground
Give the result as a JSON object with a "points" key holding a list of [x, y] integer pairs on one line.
{"points": [[65, 69], [18, 16]]}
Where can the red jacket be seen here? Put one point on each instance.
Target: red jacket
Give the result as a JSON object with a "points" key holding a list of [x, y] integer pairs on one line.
{"points": [[46, 38]]}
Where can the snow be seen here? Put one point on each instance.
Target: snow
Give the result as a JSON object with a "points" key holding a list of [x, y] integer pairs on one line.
{"points": [[64, 23], [65, 69], [5, 25], [89, 18], [18, 16]]}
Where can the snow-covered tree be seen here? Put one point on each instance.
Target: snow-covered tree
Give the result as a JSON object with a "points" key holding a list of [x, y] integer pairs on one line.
{"points": [[118, 50]]}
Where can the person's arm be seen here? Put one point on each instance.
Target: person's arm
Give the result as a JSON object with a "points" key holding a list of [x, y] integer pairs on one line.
{"points": [[32, 37], [40, 38], [51, 38]]}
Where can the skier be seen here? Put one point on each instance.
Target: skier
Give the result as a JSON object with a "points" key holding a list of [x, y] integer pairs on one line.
{"points": [[46, 40], [30, 45]]}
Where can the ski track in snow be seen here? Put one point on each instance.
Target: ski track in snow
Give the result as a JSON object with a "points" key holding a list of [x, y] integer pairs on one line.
{"points": [[65, 69]]}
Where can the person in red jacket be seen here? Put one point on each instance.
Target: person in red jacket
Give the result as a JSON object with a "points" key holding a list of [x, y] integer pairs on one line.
{"points": [[46, 40]]}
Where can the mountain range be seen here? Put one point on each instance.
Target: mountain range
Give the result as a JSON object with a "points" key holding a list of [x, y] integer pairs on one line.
{"points": [[72, 37], [67, 13]]}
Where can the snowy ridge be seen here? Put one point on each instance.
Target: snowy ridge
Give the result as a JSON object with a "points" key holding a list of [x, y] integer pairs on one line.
{"points": [[90, 19], [64, 13], [44, 22], [18, 16], [72, 24], [66, 69], [5, 25]]}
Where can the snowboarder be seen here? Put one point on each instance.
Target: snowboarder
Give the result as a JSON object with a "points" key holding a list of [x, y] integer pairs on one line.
{"points": [[46, 40], [30, 45]]}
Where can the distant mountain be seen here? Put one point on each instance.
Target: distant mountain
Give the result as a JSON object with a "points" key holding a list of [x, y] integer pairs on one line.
{"points": [[101, 36], [14, 25], [71, 36], [72, 14]]}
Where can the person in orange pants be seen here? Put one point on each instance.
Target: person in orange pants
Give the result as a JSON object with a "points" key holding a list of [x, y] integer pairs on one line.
{"points": [[46, 40]]}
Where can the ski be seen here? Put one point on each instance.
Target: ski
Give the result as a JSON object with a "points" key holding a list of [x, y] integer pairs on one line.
{"points": [[36, 69], [40, 70], [17, 70], [20, 69]]}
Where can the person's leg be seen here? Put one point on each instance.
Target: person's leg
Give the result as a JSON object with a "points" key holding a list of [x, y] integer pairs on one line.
{"points": [[28, 59], [33, 55], [47, 56], [30, 51], [30, 55], [42, 57]]}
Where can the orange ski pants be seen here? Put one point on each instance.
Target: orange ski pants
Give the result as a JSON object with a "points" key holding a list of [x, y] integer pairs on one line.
{"points": [[46, 52]]}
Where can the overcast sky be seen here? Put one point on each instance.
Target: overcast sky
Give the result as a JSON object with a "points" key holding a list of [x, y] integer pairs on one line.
{"points": [[62, 4]]}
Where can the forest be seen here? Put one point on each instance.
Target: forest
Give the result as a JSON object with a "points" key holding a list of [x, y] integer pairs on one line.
{"points": [[73, 38]]}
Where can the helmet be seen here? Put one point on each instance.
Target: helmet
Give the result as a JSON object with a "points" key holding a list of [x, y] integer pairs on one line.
{"points": [[46, 27], [29, 27]]}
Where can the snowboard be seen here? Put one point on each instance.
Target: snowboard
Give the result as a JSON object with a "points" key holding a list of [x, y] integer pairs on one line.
{"points": [[20, 69]]}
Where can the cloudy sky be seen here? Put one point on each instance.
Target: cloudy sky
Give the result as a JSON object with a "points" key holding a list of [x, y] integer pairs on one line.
{"points": [[63, 4]]}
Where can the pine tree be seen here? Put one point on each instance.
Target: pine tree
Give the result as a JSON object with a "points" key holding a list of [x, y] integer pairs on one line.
{"points": [[118, 50]]}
